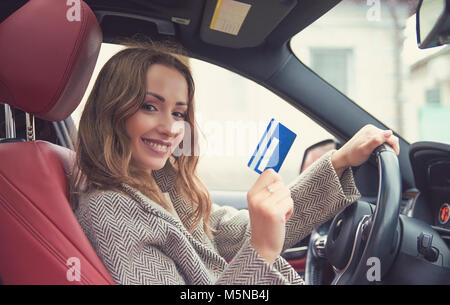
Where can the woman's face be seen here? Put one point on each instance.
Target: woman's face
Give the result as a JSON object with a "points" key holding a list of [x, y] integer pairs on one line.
{"points": [[157, 128]]}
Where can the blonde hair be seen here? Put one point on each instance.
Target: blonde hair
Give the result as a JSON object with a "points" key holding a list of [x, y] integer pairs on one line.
{"points": [[103, 152]]}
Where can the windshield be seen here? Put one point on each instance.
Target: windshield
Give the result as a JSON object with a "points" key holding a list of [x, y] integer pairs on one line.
{"points": [[368, 51]]}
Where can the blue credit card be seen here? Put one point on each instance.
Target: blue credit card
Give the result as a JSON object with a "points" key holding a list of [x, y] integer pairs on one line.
{"points": [[272, 148]]}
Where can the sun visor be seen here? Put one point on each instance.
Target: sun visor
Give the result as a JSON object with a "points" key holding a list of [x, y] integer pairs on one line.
{"points": [[244, 23]]}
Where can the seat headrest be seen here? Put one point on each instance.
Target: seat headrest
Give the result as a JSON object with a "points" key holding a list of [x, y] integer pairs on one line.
{"points": [[48, 52]]}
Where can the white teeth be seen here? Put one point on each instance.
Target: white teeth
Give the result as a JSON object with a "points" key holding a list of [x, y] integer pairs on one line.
{"points": [[162, 148]]}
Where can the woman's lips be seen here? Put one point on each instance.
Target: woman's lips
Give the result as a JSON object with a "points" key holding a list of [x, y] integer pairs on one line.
{"points": [[155, 147], [161, 142]]}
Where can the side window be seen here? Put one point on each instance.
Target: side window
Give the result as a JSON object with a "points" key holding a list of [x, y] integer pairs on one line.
{"points": [[232, 114], [334, 65]]}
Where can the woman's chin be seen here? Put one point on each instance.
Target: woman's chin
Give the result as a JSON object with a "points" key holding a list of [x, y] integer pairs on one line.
{"points": [[158, 164], [152, 164], [155, 166]]}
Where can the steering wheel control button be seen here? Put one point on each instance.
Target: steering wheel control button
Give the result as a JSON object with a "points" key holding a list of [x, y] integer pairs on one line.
{"points": [[365, 228], [424, 247], [425, 240], [319, 246]]}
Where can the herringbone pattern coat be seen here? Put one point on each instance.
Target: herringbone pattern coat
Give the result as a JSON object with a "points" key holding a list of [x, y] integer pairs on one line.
{"points": [[139, 242]]}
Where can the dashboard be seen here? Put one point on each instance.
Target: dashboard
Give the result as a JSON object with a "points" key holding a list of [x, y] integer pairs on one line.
{"points": [[439, 186], [431, 167]]}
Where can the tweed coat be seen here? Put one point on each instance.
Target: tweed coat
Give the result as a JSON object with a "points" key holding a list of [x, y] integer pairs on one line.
{"points": [[139, 242]]}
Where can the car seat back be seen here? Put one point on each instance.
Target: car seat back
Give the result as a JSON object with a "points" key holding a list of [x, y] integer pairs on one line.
{"points": [[49, 50]]}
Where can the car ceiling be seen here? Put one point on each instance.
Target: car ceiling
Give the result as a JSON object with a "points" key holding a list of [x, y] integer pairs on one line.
{"points": [[278, 20]]}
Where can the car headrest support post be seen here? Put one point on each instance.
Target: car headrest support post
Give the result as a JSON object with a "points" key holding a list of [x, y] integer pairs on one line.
{"points": [[10, 123], [29, 119]]}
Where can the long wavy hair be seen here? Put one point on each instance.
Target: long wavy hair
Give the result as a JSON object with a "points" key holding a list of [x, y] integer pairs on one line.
{"points": [[103, 155]]}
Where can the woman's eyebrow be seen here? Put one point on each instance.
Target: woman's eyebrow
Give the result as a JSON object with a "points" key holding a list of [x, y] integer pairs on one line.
{"points": [[159, 97]]}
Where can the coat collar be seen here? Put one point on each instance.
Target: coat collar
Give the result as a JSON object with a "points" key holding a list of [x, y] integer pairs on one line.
{"points": [[166, 180], [165, 177]]}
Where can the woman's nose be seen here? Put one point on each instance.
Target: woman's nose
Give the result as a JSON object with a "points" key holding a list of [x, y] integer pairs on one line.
{"points": [[170, 127]]}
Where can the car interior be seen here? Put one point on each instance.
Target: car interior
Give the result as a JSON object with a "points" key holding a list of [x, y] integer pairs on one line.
{"points": [[46, 63]]}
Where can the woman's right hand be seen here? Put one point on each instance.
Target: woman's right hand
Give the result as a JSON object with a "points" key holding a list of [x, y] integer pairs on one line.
{"points": [[269, 213]]}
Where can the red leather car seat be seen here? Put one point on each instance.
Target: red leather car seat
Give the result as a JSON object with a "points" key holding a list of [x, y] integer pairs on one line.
{"points": [[46, 62]]}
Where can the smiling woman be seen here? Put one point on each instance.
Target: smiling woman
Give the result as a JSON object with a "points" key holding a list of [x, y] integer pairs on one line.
{"points": [[121, 119], [125, 147]]}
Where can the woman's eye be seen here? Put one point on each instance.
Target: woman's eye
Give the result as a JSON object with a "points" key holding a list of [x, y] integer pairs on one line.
{"points": [[148, 107], [180, 115], [152, 108]]}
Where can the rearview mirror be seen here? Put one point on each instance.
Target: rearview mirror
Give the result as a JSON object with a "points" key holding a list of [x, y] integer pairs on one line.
{"points": [[433, 23]]}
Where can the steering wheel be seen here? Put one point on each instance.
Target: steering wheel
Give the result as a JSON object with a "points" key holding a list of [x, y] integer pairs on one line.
{"points": [[361, 244]]}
